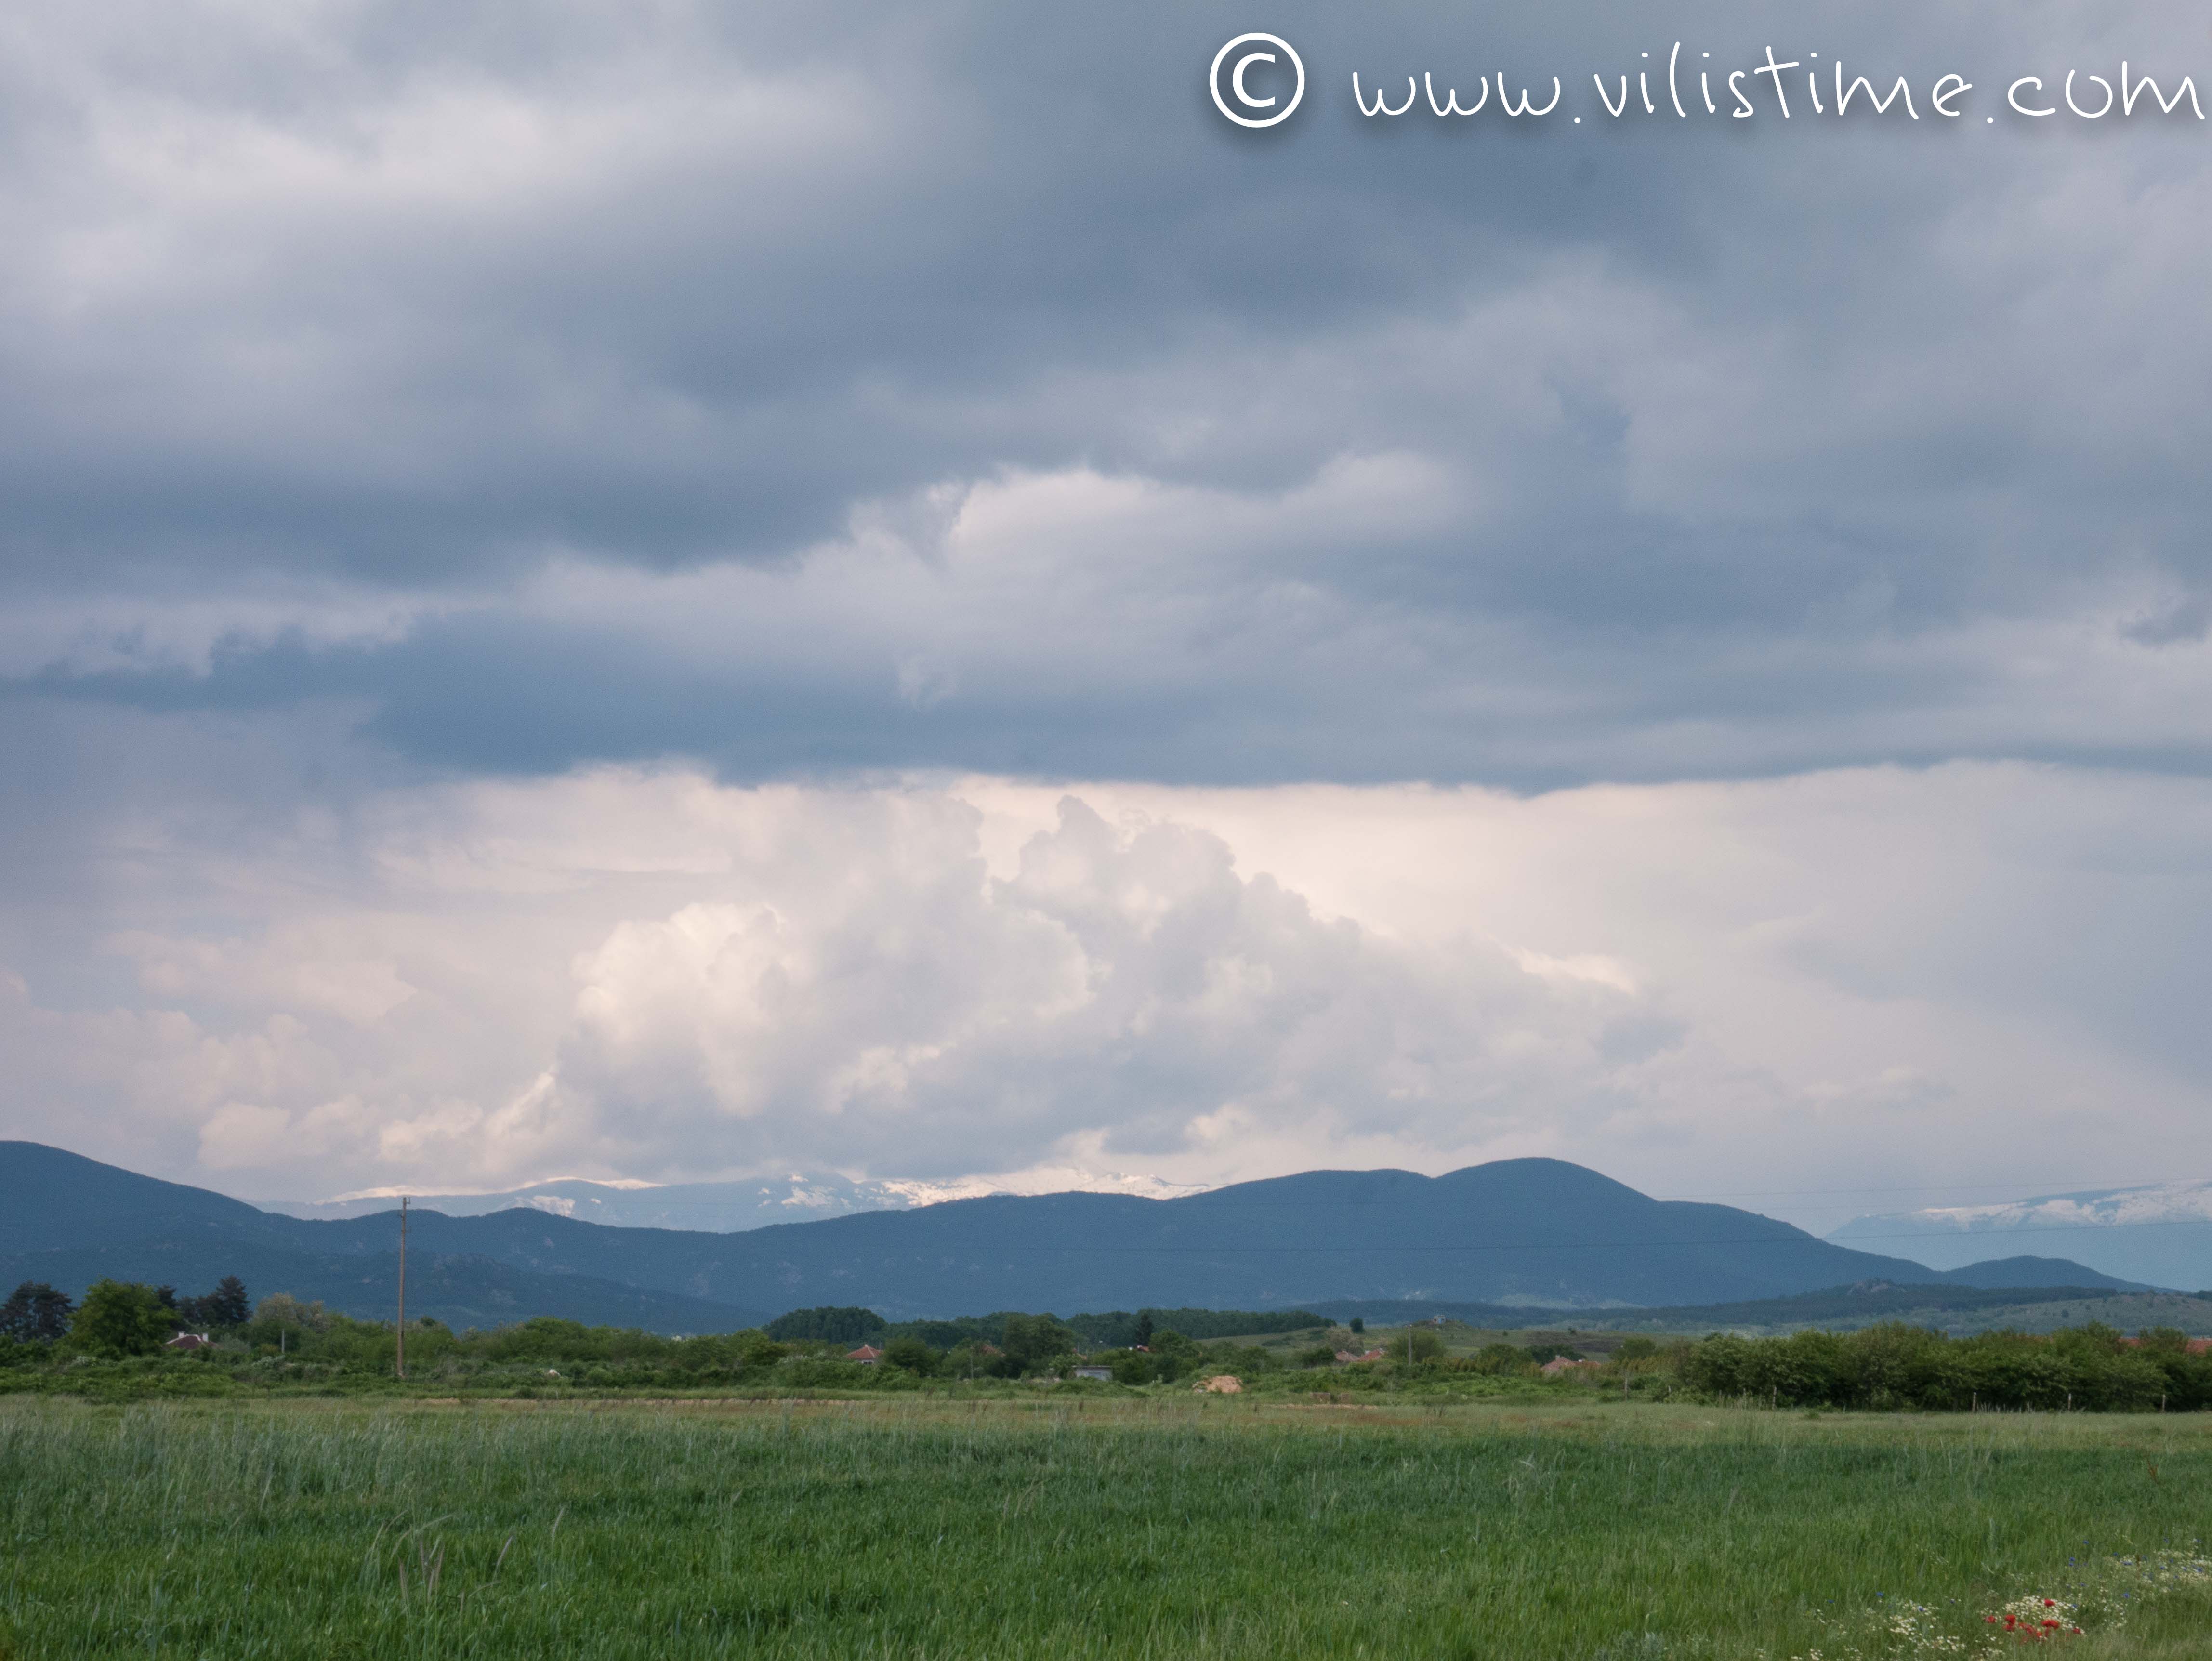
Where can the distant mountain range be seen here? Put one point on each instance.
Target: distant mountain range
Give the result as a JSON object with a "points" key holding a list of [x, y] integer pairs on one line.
{"points": [[711, 1207], [1525, 1234], [2161, 1232], [69, 1220]]}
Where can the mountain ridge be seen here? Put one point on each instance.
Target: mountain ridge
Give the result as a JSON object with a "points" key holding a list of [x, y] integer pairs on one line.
{"points": [[2156, 1232], [725, 1207], [1529, 1232]]}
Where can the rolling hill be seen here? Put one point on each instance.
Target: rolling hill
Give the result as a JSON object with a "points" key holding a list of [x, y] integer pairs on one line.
{"points": [[1519, 1233], [51, 1198], [68, 1221], [460, 1289]]}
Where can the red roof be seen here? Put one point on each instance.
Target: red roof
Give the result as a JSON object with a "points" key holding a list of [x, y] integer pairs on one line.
{"points": [[866, 1353]]}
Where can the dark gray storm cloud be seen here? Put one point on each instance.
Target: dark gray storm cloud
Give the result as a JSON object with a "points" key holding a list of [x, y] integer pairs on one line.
{"points": [[934, 385], [556, 564]]}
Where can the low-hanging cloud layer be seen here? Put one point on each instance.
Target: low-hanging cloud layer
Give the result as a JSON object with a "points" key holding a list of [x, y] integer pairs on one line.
{"points": [[650, 973], [455, 456], [1758, 988]]}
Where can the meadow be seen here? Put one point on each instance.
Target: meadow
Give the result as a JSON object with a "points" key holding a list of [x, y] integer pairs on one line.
{"points": [[1069, 1526]]}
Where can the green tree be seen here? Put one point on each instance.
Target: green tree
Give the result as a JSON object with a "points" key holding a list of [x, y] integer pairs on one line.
{"points": [[225, 1307], [121, 1319], [1358, 1323], [1500, 1358], [280, 1320], [1421, 1345], [227, 1304], [1133, 1367], [827, 1325], [1035, 1342], [35, 1313], [967, 1360], [911, 1355], [757, 1349], [1172, 1354]]}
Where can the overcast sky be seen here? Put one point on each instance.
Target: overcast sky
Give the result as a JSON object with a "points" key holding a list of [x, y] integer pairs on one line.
{"points": [[669, 591]]}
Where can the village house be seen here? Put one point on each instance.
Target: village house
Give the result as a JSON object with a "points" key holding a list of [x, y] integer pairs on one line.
{"points": [[867, 1355], [189, 1340]]}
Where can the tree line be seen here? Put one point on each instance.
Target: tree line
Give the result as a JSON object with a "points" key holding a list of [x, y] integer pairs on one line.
{"points": [[1117, 1329], [119, 1317], [2091, 1368]]}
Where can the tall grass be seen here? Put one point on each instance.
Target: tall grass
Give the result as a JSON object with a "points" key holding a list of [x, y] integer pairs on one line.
{"points": [[1167, 1530]]}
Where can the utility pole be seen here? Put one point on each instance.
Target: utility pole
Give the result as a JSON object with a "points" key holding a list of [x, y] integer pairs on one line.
{"points": [[403, 1285]]}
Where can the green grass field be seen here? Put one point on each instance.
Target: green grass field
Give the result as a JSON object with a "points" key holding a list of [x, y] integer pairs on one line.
{"points": [[1150, 1528]]}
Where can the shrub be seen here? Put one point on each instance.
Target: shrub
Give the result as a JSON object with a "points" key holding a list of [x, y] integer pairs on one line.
{"points": [[1133, 1367], [1173, 1356], [911, 1355]]}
